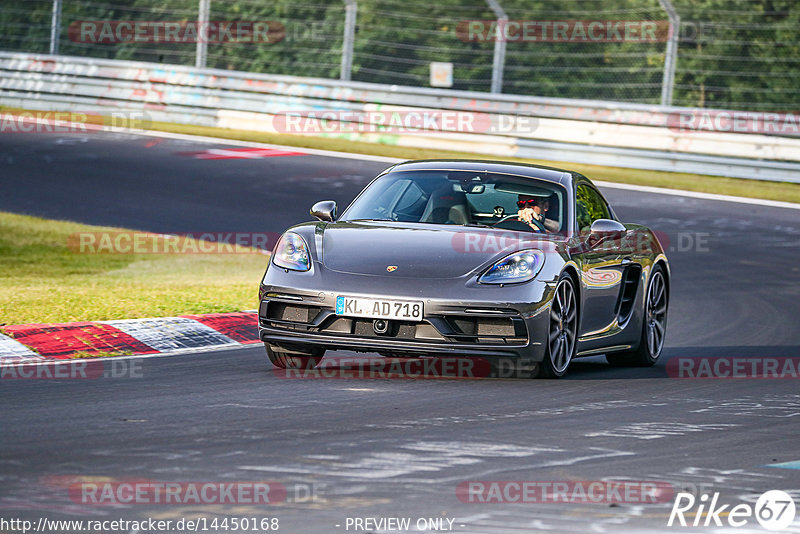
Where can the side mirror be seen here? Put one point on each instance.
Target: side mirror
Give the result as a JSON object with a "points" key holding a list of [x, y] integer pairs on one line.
{"points": [[607, 227], [603, 229], [324, 210]]}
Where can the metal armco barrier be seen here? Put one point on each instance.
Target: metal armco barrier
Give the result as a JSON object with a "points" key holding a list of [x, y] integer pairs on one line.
{"points": [[591, 132]]}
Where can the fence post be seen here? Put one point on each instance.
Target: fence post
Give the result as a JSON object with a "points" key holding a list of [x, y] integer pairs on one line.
{"points": [[55, 27], [350, 12], [202, 34], [671, 57], [499, 57]]}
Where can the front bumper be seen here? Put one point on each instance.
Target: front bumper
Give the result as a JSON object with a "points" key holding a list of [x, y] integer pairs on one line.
{"points": [[393, 347], [491, 325]]}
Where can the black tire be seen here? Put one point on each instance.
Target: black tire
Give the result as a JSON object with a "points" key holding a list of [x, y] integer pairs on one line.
{"points": [[561, 342], [654, 326], [293, 359]]}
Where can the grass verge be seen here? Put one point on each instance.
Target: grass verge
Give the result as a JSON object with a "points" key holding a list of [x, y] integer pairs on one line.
{"points": [[44, 280]]}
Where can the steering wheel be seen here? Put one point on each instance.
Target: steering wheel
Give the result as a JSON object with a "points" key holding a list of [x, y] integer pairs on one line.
{"points": [[539, 225]]}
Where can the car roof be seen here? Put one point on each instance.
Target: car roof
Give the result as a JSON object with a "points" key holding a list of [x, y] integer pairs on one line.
{"points": [[529, 170]]}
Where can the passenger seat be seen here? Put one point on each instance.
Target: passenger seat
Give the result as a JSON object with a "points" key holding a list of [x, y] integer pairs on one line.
{"points": [[446, 207]]}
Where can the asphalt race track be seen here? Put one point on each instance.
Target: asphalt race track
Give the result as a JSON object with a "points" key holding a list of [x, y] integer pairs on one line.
{"points": [[399, 448]]}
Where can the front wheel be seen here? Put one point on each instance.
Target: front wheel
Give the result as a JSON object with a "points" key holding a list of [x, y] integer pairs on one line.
{"points": [[293, 359], [653, 328], [563, 330]]}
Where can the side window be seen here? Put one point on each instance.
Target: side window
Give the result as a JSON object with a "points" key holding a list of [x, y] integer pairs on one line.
{"points": [[589, 206], [384, 202], [411, 204]]}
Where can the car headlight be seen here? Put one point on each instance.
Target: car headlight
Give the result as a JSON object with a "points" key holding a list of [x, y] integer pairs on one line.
{"points": [[517, 267], [291, 252]]}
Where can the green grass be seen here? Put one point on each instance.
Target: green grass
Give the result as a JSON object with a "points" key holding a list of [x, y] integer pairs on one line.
{"points": [[42, 280]]}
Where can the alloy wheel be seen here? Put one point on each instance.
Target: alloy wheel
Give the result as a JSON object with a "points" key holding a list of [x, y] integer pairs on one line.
{"points": [[563, 326]]}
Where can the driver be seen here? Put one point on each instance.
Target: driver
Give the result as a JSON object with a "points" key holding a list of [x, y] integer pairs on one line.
{"points": [[534, 208]]}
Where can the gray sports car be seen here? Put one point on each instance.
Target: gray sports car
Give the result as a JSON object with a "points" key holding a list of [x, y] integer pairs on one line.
{"points": [[469, 259]]}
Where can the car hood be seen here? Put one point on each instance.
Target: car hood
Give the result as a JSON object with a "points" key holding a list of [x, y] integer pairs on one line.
{"points": [[422, 251]]}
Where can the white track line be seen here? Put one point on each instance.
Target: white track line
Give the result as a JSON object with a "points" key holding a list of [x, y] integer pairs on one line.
{"points": [[233, 142], [384, 159], [695, 194]]}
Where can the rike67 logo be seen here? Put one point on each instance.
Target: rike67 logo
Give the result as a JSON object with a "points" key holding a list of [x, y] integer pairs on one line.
{"points": [[774, 510]]}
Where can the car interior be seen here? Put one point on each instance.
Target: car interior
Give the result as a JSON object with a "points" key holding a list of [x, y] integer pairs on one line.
{"points": [[456, 197]]}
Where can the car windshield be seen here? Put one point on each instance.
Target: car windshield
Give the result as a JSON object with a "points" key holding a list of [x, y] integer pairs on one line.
{"points": [[462, 198]]}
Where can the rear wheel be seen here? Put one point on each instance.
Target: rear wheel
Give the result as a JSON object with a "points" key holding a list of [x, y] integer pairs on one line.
{"points": [[653, 328], [294, 358], [563, 330]]}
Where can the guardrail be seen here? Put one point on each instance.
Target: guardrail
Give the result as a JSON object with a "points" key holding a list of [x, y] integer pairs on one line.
{"points": [[592, 132]]}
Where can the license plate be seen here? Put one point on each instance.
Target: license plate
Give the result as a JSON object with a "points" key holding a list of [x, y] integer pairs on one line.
{"points": [[379, 308]]}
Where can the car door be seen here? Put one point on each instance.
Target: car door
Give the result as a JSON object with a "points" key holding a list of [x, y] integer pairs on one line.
{"points": [[601, 263]]}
